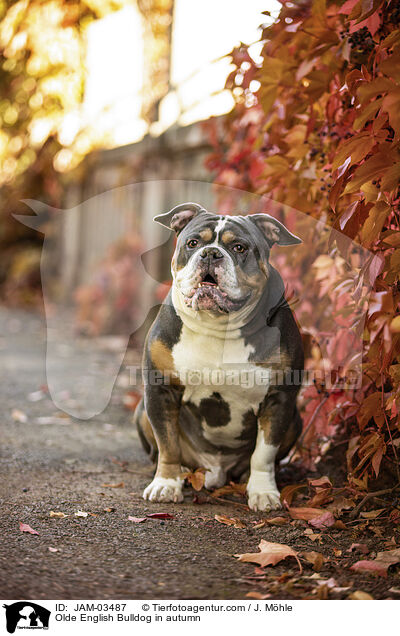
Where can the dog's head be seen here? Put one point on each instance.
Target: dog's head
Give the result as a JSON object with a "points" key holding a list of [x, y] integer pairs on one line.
{"points": [[221, 262]]}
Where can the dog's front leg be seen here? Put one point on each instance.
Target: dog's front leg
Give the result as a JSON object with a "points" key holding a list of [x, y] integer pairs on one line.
{"points": [[262, 490], [274, 420], [162, 407]]}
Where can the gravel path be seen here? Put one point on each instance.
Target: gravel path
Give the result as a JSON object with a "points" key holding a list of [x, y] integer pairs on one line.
{"points": [[53, 463]]}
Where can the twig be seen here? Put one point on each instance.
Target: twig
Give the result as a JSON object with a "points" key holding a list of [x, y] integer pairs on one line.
{"points": [[234, 503], [312, 419], [370, 495]]}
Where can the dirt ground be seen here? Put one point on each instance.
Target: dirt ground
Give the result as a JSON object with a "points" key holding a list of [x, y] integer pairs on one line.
{"points": [[64, 465]]}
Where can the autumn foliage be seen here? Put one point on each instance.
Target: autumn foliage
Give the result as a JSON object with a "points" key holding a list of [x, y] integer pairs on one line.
{"points": [[317, 126]]}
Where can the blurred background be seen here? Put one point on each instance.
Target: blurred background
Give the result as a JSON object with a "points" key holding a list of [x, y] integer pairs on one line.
{"points": [[96, 95]]}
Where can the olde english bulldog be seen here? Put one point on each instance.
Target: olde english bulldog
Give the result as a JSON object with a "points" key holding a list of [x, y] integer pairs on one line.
{"points": [[221, 359]]}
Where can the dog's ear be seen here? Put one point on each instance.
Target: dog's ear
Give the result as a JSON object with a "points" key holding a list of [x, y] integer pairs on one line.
{"points": [[273, 230], [177, 218]]}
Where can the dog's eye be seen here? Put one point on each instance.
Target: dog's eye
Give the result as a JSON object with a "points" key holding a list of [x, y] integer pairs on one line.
{"points": [[239, 248], [192, 243]]}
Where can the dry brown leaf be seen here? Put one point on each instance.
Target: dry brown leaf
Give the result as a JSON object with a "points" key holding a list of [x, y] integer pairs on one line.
{"points": [[231, 489], [230, 521], [322, 482], [195, 479], [322, 497], [59, 515], [316, 558], [258, 595], [359, 595], [270, 554], [304, 513], [119, 485], [311, 535], [372, 514], [288, 493], [274, 521]]}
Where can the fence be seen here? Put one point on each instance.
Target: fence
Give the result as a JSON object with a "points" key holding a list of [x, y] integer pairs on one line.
{"points": [[121, 190]]}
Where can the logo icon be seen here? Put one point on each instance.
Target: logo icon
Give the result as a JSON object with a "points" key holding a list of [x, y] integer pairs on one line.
{"points": [[26, 615]]}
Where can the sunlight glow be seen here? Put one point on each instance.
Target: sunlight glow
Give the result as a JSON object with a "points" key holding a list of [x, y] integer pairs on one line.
{"points": [[115, 67]]}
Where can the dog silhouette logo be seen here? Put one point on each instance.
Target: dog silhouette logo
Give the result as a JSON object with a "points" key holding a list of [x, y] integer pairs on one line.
{"points": [[26, 615]]}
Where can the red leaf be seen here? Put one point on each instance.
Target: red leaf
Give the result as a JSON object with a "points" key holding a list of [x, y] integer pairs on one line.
{"points": [[323, 521], [25, 528], [160, 515], [373, 567]]}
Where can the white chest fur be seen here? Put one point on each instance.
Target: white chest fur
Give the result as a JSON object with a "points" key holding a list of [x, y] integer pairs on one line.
{"points": [[208, 365]]}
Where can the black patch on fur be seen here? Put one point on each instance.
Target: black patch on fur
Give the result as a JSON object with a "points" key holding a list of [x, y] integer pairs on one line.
{"points": [[215, 410]]}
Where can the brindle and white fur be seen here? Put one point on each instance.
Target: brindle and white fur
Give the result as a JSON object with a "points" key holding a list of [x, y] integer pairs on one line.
{"points": [[225, 313]]}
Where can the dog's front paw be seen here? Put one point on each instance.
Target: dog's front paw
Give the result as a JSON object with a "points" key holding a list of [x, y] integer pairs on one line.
{"points": [[262, 492], [264, 501], [164, 490]]}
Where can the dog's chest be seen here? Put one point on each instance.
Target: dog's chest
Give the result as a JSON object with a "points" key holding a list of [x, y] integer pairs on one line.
{"points": [[220, 383]]}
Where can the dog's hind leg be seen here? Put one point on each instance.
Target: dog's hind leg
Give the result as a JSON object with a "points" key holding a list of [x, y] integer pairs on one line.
{"points": [[145, 431], [291, 436]]}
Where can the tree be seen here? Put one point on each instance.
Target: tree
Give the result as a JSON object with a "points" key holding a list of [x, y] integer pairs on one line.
{"points": [[317, 126]]}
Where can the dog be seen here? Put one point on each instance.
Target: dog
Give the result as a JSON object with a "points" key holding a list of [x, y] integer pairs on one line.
{"points": [[217, 356]]}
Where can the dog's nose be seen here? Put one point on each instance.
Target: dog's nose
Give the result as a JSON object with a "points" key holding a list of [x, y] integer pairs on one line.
{"points": [[212, 253]]}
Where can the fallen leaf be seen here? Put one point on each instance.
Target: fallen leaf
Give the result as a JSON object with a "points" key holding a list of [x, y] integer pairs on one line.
{"points": [[316, 558], [288, 493], [160, 515], [25, 528], [339, 525], [337, 552], [322, 497], [277, 521], [109, 509], [19, 416], [258, 595], [231, 489], [326, 520], [53, 549], [270, 554], [81, 513], [311, 535], [358, 547], [59, 515], [234, 521], [119, 485], [372, 514], [196, 478], [137, 519], [359, 595], [339, 504], [372, 567], [305, 514], [322, 482]]}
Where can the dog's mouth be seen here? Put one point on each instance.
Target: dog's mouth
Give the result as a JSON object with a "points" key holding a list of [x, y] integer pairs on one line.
{"points": [[207, 294], [208, 281]]}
